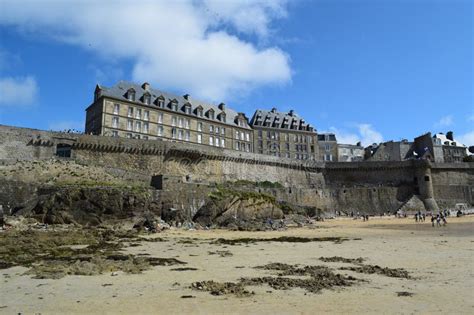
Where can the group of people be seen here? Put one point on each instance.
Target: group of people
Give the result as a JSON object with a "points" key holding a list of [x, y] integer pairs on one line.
{"points": [[437, 219]]}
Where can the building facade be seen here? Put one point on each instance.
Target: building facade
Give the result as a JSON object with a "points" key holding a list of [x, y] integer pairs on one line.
{"points": [[350, 152], [390, 151], [328, 147], [284, 135], [141, 112]]}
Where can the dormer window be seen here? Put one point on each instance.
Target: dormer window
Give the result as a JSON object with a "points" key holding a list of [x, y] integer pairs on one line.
{"points": [[160, 101], [131, 95], [187, 108], [210, 114], [174, 105], [146, 98], [199, 111], [222, 117]]}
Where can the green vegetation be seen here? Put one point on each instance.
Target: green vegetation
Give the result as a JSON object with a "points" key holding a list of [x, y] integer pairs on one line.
{"points": [[264, 184], [223, 193]]}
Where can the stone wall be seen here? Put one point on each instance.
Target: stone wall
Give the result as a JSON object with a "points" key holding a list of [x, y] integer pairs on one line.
{"points": [[367, 187]]}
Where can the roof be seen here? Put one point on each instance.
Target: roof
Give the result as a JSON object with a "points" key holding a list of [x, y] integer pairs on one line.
{"points": [[280, 120], [445, 141], [119, 92]]}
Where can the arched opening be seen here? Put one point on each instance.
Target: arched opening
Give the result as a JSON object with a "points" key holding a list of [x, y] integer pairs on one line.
{"points": [[63, 150]]}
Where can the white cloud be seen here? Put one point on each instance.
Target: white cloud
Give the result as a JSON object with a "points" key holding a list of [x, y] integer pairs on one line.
{"points": [[66, 125], [172, 44], [364, 133], [445, 121], [467, 139], [18, 91]]}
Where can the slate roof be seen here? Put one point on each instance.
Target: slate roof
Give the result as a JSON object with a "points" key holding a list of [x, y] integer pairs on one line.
{"points": [[280, 120], [119, 92]]}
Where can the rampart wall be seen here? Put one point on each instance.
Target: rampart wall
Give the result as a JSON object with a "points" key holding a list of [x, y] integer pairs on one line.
{"points": [[366, 187]]}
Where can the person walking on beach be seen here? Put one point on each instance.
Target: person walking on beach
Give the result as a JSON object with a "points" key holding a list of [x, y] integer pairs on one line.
{"points": [[416, 217], [438, 220], [432, 220]]}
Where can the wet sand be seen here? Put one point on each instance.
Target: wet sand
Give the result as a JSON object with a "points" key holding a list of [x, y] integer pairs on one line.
{"points": [[439, 260]]}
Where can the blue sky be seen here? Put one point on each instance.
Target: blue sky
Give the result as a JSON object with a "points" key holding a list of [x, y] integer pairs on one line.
{"points": [[370, 70]]}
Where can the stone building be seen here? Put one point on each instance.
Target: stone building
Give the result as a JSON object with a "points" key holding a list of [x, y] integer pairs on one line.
{"points": [[284, 135], [328, 147], [390, 151], [440, 148], [142, 112], [350, 152]]}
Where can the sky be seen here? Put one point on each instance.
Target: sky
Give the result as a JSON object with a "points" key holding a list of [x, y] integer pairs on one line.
{"points": [[367, 70]]}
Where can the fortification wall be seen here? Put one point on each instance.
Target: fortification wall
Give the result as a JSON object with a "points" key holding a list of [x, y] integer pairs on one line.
{"points": [[367, 187]]}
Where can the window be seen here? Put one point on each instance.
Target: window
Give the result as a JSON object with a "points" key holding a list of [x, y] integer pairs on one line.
{"points": [[286, 137], [130, 111], [138, 113], [174, 106], [327, 147], [247, 136], [146, 99], [173, 133], [242, 136], [160, 118], [260, 134], [187, 123], [115, 122], [211, 128], [137, 136], [199, 112], [288, 155], [146, 115], [223, 130], [287, 146], [236, 135], [217, 142], [145, 137], [217, 130], [173, 121], [138, 126], [161, 103], [129, 135], [211, 114], [211, 140], [223, 142], [116, 109], [114, 133], [187, 135], [131, 95], [237, 146], [187, 110], [129, 124], [199, 138], [248, 147], [223, 118], [180, 122], [260, 144], [145, 127], [199, 126], [180, 134], [160, 131]]}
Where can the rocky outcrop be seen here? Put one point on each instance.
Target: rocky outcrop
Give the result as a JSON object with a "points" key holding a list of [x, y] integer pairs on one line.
{"points": [[226, 208]]}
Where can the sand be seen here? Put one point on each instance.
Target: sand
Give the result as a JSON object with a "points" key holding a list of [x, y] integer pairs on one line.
{"points": [[440, 260]]}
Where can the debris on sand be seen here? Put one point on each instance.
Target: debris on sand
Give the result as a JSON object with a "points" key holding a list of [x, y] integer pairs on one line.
{"points": [[289, 239], [222, 253], [217, 288], [371, 269], [405, 293], [342, 259], [187, 296], [184, 269], [320, 277], [55, 254]]}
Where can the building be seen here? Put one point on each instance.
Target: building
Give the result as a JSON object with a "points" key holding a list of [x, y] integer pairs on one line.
{"points": [[142, 112], [284, 134], [440, 148], [350, 152], [389, 151], [328, 147]]}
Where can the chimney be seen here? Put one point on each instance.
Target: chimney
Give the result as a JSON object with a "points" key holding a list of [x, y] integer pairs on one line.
{"points": [[146, 86], [222, 106], [187, 97], [291, 113], [274, 110], [450, 135]]}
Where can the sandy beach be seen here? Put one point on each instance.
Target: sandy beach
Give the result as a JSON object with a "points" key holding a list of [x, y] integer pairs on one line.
{"points": [[439, 261]]}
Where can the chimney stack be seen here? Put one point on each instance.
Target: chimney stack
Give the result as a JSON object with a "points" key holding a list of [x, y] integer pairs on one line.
{"points": [[187, 97], [146, 86], [222, 106], [450, 135]]}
